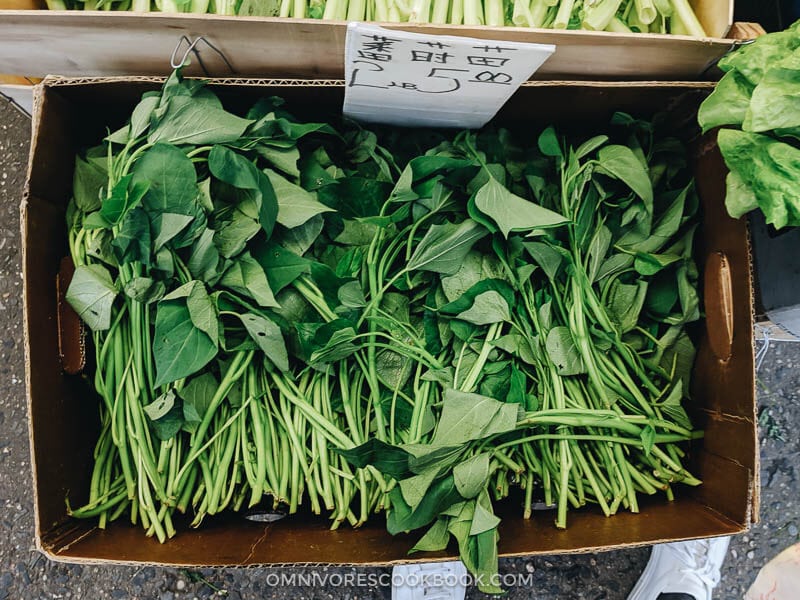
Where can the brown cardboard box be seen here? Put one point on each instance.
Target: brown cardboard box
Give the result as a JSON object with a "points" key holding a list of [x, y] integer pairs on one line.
{"points": [[70, 114], [81, 43]]}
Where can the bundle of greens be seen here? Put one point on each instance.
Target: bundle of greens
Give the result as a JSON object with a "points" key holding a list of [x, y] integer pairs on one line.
{"points": [[286, 314], [756, 104], [619, 16]]}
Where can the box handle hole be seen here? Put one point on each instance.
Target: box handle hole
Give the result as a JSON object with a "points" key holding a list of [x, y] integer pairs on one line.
{"points": [[718, 294]]}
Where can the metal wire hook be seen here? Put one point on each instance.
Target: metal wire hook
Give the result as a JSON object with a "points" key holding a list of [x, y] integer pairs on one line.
{"points": [[192, 49]]}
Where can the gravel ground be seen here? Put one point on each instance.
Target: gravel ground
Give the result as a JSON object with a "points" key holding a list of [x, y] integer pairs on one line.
{"points": [[24, 573]]}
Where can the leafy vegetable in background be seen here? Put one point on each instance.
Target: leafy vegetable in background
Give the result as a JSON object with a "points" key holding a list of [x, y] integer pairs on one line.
{"points": [[756, 104], [414, 322], [618, 16]]}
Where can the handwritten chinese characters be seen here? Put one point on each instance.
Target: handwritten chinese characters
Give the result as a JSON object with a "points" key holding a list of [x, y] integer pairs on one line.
{"points": [[396, 77]]}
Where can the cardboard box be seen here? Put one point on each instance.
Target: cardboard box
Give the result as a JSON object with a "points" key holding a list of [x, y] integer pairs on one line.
{"points": [[81, 43], [71, 114]]}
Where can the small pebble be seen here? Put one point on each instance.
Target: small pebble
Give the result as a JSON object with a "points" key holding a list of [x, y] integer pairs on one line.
{"points": [[180, 585], [530, 568], [792, 530], [751, 555]]}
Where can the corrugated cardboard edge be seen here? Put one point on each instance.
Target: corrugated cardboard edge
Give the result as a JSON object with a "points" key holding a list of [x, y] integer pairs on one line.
{"points": [[38, 99], [51, 553], [59, 81]]}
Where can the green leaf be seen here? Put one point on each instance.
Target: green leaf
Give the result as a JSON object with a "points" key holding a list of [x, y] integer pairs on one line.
{"points": [[351, 295], [414, 488], [516, 345], [435, 539], [180, 348], [233, 233], [167, 226], [547, 257], [471, 475], [91, 293], [283, 159], [389, 460], [727, 104], [299, 239], [624, 303], [549, 144], [598, 248], [517, 387], [132, 241], [171, 181], [512, 213], [563, 352], [269, 338], [441, 495], [590, 146], [281, 266], [88, 184], [236, 170], [488, 307], [444, 247], [167, 425], [124, 196], [188, 121], [140, 117], [620, 162], [648, 439], [770, 168], [354, 197], [295, 205], [650, 264], [672, 408], [204, 259], [160, 406], [483, 520], [197, 396], [754, 59], [740, 198], [145, 290], [467, 417], [246, 276]]}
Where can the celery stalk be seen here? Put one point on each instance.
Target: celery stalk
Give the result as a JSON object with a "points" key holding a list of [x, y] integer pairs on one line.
{"points": [[688, 18], [286, 8], [617, 26], [299, 9], [473, 12], [456, 12], [394, 12], [539, 9], [522, 14], [664, 7], [356, 9], [598, 16], [676, 26], [56, 5], [140, 6], [646, 10], [420, 11], [381, 8], [493, 13], [170, 6], [564, 14], [198, 6], [441, 10]]}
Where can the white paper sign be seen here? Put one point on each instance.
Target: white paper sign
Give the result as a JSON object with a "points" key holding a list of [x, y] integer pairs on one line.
{"points": [[415, 79]]}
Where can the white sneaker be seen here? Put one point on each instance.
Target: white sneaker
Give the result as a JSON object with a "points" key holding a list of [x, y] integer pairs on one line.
{"points": [[429, 581], [682, 570]]}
